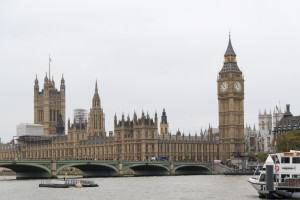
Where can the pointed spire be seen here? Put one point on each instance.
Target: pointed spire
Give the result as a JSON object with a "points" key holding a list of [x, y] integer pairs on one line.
{"points": [[123, 118], [46, 78], [52, 81], [115, 120], [229, 51], [143, 114], [96, 87], [96, 98], [36, 81], [230, 64], [134, 117], [62, 79]]}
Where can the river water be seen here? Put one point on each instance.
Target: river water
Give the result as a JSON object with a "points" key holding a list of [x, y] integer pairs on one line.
{"points": [[130, 188]]}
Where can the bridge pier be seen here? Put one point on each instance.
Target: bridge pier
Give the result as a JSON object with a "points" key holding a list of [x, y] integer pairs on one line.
{"points": [[53, 169], [120, 168], [172, 170]]}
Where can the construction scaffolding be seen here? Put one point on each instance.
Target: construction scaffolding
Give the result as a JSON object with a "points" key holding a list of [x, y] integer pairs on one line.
{"points": [[80, 115]]}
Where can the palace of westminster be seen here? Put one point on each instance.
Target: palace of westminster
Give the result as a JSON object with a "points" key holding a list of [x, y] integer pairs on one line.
{"points": [[136, 138]]}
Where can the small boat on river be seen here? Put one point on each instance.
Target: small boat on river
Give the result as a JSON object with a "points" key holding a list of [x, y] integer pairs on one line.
{"points": [[61, 183]]}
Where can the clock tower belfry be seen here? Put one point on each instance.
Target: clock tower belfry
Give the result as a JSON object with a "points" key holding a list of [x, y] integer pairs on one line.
{"points": [[231, 107]]}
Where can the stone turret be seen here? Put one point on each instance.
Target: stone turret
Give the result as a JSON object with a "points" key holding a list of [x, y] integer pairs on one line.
{"points": [[48, 104], [164, 125], [96, 117]]}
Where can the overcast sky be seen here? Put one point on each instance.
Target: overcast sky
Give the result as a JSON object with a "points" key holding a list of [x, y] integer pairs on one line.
{"points": [[148, 55]]}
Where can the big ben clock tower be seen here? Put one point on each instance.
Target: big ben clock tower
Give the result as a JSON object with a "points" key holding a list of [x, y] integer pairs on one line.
{"points": [[231, 108]]}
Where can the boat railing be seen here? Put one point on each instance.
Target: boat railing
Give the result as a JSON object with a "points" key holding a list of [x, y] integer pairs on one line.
{"points": [[291, 182], [52, 181], [82, 182], [68, 182]]}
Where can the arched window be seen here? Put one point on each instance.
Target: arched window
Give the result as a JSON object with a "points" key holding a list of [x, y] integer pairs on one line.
{"points": [[146, 134], [100, 121]]}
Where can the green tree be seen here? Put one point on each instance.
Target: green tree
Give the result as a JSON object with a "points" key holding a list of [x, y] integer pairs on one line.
{"points": [[251, 155], [262, 157], [217, 134], [288, 141]]}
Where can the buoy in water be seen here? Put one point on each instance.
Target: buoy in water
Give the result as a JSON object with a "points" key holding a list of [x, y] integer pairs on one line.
{"points": [[78, 185]]}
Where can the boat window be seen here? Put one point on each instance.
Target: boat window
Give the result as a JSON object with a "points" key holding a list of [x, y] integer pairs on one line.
{"points": [[277, 160], [284, 176], [262, 178], [296, 160], [276, 176], [285, 160], [296, 176]]}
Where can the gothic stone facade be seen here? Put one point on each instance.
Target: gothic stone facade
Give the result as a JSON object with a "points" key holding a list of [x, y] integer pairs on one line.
{"points": [[231, 107], [136, 139], [49, 104]]}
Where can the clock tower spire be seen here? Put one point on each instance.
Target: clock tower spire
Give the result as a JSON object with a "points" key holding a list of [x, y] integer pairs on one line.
{"points": [[231, 107]]}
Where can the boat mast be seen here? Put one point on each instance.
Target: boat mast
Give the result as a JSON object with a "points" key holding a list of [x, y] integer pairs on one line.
{"points": [[275, 162]]}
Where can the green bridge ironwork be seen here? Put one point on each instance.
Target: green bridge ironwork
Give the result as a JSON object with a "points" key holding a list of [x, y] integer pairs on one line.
{"points": [[103, 168]]}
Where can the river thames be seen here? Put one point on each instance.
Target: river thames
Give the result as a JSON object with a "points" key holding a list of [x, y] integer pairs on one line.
{"points": [[129, 188]]}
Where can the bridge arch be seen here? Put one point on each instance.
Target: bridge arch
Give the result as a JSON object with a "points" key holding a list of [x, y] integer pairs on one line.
{"points": [[192, 170], [29, 170], [147, 169], [92, 169]]}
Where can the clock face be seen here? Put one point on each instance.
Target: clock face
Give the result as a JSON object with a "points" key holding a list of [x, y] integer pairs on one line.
{"points": [[224, 86], [237, 86]]}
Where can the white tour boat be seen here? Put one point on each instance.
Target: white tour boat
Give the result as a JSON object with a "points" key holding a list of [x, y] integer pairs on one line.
{"points": [[286, 174]]}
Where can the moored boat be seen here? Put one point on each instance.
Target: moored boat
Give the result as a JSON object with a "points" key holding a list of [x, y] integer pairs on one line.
{"points": [[286, 176], [67, 183]]}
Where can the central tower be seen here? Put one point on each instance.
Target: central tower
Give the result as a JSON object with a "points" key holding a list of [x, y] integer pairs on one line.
{"points": [[231, 107], [49, 104], [97, 118]]}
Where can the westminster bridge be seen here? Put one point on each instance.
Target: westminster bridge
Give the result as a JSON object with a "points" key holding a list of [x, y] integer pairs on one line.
{"points": [[104, 168]]}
